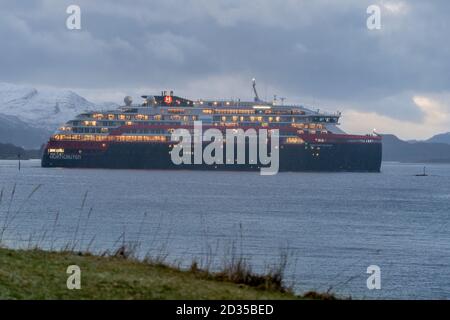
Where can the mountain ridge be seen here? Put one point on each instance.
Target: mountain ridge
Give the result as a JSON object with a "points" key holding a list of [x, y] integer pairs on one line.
{"points": [[28, 115], [19, 133], [43, 108], [395, 149], [440, 138]]}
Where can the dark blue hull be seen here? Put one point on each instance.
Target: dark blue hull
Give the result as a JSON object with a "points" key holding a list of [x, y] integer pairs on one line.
{"points": [[351, 157]]}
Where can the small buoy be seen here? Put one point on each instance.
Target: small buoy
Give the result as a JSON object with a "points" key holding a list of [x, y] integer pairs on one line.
{"points": [[424, 174]]}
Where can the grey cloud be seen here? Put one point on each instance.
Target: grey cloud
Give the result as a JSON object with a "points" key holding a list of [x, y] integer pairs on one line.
{"points": [[302, 48]]}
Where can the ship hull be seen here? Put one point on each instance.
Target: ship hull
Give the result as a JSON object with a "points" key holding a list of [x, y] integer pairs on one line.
{"points": [[349, 157]]}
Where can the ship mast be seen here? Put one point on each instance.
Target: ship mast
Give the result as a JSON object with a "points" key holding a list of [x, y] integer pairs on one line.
{"points": [[255, 92]]}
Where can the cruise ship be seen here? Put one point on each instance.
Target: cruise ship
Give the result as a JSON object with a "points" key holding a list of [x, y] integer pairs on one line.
{"points": [[141, 136]]}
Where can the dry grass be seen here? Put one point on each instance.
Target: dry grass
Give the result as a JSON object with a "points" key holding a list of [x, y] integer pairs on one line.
{"points": [[235, 272], [36, 274]]}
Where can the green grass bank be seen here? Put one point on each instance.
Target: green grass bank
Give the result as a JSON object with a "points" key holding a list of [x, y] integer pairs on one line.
{"points": [[37, 274]]}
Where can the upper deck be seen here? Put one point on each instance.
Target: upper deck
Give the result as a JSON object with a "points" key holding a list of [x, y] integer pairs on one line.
{"points": [[158, 115]]}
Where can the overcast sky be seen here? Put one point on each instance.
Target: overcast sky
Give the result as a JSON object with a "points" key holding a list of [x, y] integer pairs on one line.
{"points": [[320, 53]]}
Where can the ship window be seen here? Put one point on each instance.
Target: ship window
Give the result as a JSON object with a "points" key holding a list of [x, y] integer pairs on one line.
{"points": [[295, 140]]}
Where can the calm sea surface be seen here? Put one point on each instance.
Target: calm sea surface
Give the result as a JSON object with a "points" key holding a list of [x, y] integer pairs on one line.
{"points": [[332, 225]]}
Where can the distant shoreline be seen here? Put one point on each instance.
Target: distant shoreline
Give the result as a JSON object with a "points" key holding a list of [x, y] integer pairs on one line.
{"points": [[9, 151]]}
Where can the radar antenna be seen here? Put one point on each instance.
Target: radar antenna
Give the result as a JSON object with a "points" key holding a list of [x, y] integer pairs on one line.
{"points": [[128, 101], [255, 92]]}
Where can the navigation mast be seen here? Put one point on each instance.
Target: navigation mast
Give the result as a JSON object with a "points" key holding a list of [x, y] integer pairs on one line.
{"points": [[255, 92]]}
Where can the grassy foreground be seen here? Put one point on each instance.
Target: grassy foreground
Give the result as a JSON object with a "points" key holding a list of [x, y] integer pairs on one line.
{"points": [[36, 274]]}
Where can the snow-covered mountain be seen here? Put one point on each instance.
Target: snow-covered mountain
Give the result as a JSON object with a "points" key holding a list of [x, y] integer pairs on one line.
{"points": [[19, 133], [29, 115], [45, 109]]}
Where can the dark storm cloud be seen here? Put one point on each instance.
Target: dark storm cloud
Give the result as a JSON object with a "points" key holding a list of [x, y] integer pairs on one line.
{"points": [[303, 48]]}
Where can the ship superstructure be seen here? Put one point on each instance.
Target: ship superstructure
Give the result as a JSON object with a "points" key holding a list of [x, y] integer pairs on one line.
{"points": [[140, 135]]}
